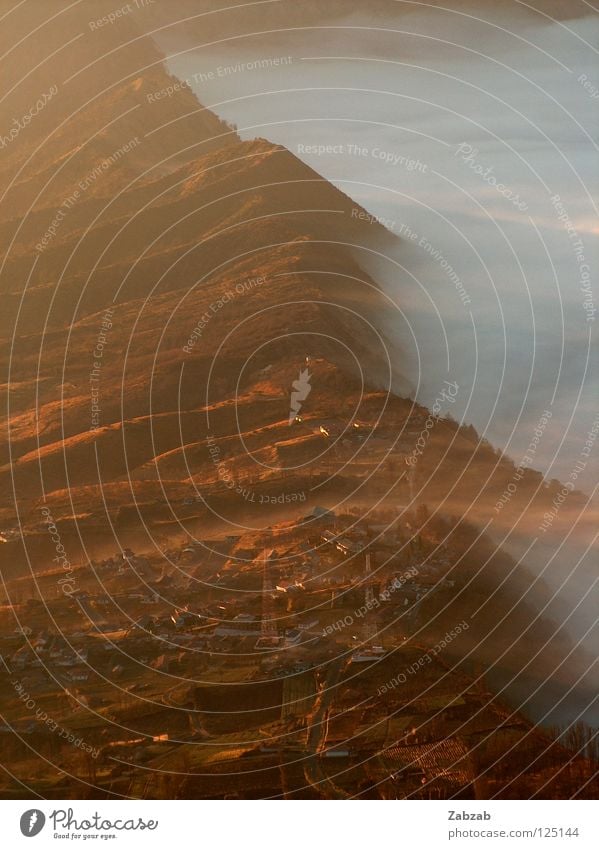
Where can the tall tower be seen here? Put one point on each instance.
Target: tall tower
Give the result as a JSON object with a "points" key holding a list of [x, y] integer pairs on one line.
{"points": [[369, 628], [368, 594], [269, 628], [411, 480]]}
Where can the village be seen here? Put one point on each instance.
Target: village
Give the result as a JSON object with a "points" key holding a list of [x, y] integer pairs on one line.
{"points": [[289, 662]]}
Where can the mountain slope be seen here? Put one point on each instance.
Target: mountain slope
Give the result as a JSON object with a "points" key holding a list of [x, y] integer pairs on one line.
{"points": [[162, 301]]}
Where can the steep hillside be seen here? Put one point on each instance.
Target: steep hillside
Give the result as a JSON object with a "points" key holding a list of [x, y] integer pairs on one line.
{"points": [[188, 344]]}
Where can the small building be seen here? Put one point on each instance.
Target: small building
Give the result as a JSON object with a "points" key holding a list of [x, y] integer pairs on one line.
{"points": [[243, 625], [293, 637]]}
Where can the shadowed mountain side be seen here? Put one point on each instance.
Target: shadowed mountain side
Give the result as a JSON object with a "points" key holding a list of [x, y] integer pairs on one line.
{"points": [[96, 80], [159, 241], [204, 223]]}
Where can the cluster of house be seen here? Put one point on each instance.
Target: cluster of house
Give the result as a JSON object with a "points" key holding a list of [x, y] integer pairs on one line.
{"points": [[51, 651]]}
